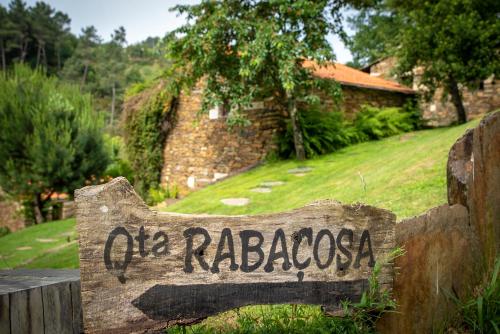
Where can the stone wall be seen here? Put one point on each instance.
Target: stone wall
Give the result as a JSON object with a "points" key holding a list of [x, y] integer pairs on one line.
{"points": [[383, 69], [449, 249], [201, 149], [355, 97], [10, 215], [439, 111]]}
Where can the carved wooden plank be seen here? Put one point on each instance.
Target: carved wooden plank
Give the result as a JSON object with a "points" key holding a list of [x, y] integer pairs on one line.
{"points": [[57, 299], [143, 270], [4, 314]]}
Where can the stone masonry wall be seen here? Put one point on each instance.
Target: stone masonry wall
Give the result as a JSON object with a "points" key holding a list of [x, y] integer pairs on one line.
{"points": [[354, 98], [384, 69], [439, 111], [201, 149], [10, 215]]}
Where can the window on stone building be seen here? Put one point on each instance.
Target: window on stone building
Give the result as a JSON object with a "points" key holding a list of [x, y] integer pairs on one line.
{"points": [[215, 112]]}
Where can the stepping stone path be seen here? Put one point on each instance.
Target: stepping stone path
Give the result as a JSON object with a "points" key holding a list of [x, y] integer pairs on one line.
{"points": [[261, 190], [235, 201], [265, 187], [300, 171], [271, 184], [45, 240]]}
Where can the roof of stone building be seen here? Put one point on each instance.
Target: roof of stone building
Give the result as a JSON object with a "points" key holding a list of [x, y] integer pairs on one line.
{"points": [[349, 76]]}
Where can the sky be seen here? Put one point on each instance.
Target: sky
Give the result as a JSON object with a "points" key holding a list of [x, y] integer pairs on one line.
{"points": [[141, 18]]}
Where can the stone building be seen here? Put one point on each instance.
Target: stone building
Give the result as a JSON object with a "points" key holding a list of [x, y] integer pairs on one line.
{"points": [[439, 111], [200, 149]]}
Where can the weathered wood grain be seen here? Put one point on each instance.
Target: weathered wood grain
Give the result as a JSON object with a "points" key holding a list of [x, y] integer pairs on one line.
{"points": [[132, 258], [26, 311], [39, 301], [76, 303], [4, 314], [57, 298]]}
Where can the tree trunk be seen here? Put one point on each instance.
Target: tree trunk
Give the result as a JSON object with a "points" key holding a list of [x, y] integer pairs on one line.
{"points": [[84, 77], [58, 48], [44, 53], [24, 50], [456, 99], [4, 63], [38, 208], [113, 99], [298, 140], [38, 54]]}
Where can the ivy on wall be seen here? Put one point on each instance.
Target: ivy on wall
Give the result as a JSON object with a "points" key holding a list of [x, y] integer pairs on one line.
{"points": [[149, 117]]}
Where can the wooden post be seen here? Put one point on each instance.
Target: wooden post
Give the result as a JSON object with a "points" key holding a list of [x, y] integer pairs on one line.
{"points": [[40, 301], [142, 270]]}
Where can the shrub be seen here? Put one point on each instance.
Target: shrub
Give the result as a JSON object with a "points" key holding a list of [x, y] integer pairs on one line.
{"points": [[51, 138], [147, 124], [481, 314], [376, 123], [323, 132], [158, 195], [4, 230], [326, 132], [119, 166]]}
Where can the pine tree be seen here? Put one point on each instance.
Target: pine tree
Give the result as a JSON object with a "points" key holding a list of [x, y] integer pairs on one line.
{"points": [[51, 138]]}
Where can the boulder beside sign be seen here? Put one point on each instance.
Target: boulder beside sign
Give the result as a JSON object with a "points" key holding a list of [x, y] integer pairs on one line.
{"points": [[142, 270]]}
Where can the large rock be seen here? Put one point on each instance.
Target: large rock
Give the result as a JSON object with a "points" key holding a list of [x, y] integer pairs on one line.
{"points": [[442, 257], [474, 181]]}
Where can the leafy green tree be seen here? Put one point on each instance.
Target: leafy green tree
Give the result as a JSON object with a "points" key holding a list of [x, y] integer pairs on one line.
{"points": [[456, 43], [247, 50], [51, 138], [376, 34]]}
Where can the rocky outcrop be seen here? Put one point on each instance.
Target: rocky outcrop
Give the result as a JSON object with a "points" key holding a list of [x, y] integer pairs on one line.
{"points": [[441, 259], [450, 248], [10, 215], [474, 181]]}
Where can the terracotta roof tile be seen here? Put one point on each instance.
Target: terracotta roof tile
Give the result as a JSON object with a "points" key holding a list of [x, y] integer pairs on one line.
{"points": [[352, 77]]}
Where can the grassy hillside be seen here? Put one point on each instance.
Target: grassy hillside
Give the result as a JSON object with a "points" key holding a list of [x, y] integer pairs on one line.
{"points": [[49, 245], [405, 174]]}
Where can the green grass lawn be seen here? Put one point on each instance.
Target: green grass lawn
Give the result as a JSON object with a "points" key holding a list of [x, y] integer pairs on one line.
{"points": [[405, 174], [49, 245]]}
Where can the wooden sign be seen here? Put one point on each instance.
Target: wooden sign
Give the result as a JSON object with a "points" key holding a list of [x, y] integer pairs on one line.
{"points": [[143, 270]]}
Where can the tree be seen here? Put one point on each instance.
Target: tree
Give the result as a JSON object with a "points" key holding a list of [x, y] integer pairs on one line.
{"points": [[51, 138], [37, 35], [4, 35], [454, 42], [253, 49], [42, 30], [18, 27], [85, 58], [113, 67], [376, 34]]}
